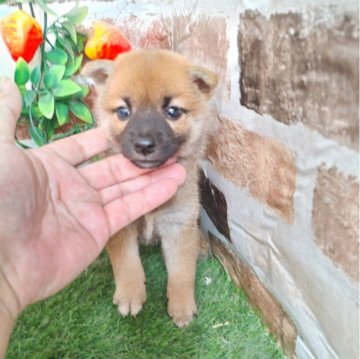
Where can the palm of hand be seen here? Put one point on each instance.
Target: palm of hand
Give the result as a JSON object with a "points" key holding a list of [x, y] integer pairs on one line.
{"points": [[57, 218]]}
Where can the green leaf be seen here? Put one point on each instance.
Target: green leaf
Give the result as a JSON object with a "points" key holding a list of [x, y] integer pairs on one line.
{"points": [[24, 110], [77, 14], [48, 127], [38, 136], [66, 88], [35, 75], [35, 112], [81, 94], [22, 89], [22, 72], [29, 97], [67, 44], [59, 71], [71, 30], [57, 57], [49, 79], [75, 66], [62, 113], [53, 75], [81, 111], [47, 104], [81, 38], [42, 5]]}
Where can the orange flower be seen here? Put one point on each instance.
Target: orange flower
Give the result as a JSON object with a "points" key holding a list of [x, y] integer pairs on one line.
{"points": [[106, 42], [22, 35]]}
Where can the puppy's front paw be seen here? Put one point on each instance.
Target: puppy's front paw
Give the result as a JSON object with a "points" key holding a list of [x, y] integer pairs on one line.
{"points": [[129, 298], [182, 309]]}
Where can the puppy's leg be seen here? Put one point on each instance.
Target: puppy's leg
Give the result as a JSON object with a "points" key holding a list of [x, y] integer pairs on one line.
{"points": [[130, 293], [181, 252]]}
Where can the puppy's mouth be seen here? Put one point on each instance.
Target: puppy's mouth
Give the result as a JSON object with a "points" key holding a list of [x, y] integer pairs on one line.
{"points": [[147, 163]]}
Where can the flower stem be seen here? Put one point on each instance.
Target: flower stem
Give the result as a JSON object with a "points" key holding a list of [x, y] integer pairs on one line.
{"points": [[52, 46], [32, 10], [43, 61], [22, 145]]}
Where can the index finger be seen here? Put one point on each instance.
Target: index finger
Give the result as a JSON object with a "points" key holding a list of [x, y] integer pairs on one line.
{"points": [[78, 148], [112, 170], [130, 207]]}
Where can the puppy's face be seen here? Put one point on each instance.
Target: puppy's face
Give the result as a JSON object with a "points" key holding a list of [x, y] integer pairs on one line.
{"points": [[152, 103]]}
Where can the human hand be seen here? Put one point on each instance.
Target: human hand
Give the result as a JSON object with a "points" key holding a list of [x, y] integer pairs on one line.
{"points": [[55, 218]]}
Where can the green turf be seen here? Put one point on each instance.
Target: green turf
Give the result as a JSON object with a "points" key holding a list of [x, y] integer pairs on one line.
{"points": [[81, 322]]}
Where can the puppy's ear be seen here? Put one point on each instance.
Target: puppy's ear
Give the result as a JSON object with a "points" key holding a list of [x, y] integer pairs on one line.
{"points": [[204, 79], [98, 71]]}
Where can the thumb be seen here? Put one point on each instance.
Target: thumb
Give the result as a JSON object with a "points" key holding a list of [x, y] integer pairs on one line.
{"points": [[10, 107]]}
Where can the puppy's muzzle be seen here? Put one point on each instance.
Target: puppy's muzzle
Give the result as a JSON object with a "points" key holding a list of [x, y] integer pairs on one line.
{"points": [[145, 145], [148, 140]]}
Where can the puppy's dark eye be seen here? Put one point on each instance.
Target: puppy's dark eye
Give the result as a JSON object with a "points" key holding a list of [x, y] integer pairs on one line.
{"points": [[173, 112], [122, 112]]}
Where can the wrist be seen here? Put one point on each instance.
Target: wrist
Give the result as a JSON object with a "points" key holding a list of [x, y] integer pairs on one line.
{"points": [[9, 309], [9, 301], [7, 323]]}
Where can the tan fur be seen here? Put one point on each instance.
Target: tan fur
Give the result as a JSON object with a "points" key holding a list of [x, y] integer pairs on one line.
{"points": [[147, 77]]}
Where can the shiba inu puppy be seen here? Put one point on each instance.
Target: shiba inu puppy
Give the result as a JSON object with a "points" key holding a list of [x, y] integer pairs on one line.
{"points": [[153, 105]]}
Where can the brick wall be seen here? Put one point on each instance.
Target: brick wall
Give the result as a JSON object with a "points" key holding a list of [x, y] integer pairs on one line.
{"points": [[280, 182]]}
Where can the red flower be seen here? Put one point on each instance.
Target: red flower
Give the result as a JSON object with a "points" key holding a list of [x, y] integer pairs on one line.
{"points": [[22, 35], [106, 42]]}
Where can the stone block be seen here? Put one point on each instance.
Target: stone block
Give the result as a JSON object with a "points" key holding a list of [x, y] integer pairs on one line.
{"points": [[271, 312], [262, 165], [300, 67], [202, 39], [148, 32], [336, 219]]}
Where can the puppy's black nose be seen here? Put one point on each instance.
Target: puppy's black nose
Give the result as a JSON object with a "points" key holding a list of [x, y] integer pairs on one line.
{"points": [[144, 145]]}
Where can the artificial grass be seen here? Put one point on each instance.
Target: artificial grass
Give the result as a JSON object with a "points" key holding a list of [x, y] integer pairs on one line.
{"points": [[81, 322]]}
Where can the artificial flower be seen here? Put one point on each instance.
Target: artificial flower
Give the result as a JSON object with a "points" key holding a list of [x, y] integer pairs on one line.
{"points": [[106, 42], [22, 35]]}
